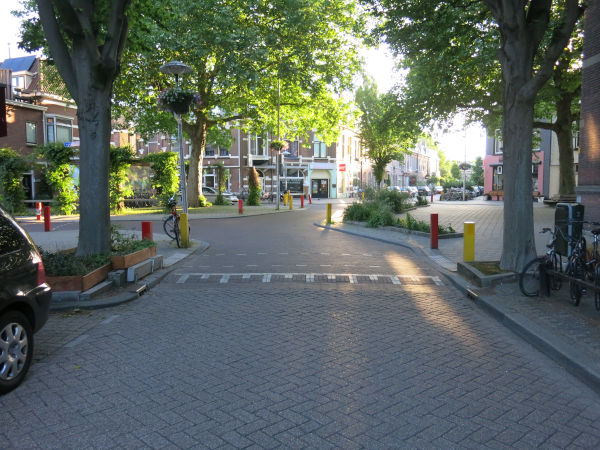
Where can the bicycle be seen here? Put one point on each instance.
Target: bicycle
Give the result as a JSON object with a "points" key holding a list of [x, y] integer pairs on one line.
{"points": [[171, 222], [530, 278], [584, 268]]}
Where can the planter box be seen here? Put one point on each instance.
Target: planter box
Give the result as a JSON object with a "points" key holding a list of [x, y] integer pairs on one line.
{"points": [[79, 282], [126, 261]]}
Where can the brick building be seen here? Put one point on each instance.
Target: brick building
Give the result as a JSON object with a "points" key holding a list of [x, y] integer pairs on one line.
{"points": [[588, 191]]}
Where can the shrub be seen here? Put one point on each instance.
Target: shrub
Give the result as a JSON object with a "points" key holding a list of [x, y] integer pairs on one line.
{"points": [[370, 194], [359, 212], [120, 161], [396, 200], [66, 263], [123, 245], [422, 201], [164, 179], [59, 175], [381, 216], [410, 223], [12, 192], [254, 188], [202, 202]]}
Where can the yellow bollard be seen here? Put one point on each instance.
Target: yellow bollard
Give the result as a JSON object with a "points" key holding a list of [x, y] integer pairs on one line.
{"points": [[363, 196], [291, 200], [329, 213], [284, 198], [184, 230], [469, 241]]}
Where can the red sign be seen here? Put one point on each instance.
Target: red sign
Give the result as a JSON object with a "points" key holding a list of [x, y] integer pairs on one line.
{"points": [[342, 167]]}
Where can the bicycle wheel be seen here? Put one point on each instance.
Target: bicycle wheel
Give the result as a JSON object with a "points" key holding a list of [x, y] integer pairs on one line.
{"points": [[575, 270], [176, 231], [557, 268], [529, 279], [168, 226], [597, 284]]}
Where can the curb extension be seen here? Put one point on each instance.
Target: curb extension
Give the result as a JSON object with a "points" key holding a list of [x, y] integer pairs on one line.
{"points": [[123, 297], [573, 360]]}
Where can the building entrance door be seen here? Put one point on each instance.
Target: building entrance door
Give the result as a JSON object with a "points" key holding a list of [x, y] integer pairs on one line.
{"points": [[320, 188]]}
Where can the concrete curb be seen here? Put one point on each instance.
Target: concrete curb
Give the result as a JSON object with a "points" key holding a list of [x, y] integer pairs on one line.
{"points": [[76, 302], [565, 353]]}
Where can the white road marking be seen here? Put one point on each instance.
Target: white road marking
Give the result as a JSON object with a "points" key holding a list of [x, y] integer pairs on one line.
{"points": [[261, 253], [266, 278], [373, 277], [224, 278], [183, 279], [395, 279]]}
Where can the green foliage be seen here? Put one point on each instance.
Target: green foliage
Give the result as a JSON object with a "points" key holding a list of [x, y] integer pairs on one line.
{"points": [[202, 202], [370, 193], [59, 175], [476, 178], [410, 223], [382, 216], [177, 99], [397, 201], [12, 192], [61, 264], [123, 245], [164, 179], [119, 188], [253, 187], [455, 171], [222, 175], [385, 139], [278, 145], [421, 201]]}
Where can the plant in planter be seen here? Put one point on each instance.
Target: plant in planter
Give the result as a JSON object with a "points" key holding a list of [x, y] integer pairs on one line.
{"points": [[127, 251], [278, 145], [178, 100], [67, 272]]}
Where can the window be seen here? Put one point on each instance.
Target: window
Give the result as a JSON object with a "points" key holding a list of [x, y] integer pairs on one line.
{"points": [[59, 129], [209, 178], [258, 145], [293, 147], [223, 152], [320, 149], [31, 132], [209, 150], [19, 81], [498, 182], [498, 144]]}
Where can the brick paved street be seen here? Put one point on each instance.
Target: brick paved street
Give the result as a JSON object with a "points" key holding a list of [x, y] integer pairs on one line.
{"points": [[292, 363]]}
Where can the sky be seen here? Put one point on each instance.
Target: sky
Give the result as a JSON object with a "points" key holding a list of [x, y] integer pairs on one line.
{"points": [[379, 64]]}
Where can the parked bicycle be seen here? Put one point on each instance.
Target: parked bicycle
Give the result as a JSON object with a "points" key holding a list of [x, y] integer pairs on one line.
{"points": [[584, 269], [530, 279], [171, 222]]}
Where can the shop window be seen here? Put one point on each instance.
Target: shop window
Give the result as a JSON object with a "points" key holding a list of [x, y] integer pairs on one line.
{"points": [[31, 132], [498, 181]]}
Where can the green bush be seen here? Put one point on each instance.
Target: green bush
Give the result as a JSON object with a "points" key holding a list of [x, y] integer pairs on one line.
{"points": [[381, 216], [202, 202], [164, 179], [12, 192], [421, 201], [118, 186], [398, 201], [66, 263], [370, 194], [59, 175], [410, 223], [359, 212], [123, 245]]}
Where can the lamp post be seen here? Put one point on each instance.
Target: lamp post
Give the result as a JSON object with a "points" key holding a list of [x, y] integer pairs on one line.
{"points": [[178, 68]]}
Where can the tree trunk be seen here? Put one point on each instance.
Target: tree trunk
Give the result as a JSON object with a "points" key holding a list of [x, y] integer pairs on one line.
{"points": [[564, 121], [518, 246], [197, 133]]}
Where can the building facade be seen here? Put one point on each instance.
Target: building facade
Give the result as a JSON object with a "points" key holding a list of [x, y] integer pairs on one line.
{"points": [[588, 189]]}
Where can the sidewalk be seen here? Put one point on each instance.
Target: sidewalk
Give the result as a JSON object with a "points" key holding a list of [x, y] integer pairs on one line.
{"points": [[570, 335]]}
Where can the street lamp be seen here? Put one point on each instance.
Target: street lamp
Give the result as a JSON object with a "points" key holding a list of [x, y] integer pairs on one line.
{"points": [[178, 68], [280, 153]]}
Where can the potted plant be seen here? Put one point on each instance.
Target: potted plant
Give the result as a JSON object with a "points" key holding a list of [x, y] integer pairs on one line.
{"points": [[177, 100], [67, 272], [127, 251], [278, 145]]}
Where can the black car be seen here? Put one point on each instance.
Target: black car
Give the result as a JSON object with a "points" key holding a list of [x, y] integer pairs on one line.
{"points": [[24, 301]]}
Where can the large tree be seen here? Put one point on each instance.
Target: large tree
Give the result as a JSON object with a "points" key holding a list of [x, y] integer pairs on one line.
{"points": [[242, 53], [452, 57], [86, 41], [384, 135]]}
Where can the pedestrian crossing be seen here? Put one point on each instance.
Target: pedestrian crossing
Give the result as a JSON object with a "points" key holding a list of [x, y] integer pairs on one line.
{"points": [[270, 277]]}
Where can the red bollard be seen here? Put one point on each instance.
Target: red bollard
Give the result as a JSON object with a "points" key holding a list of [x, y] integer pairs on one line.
{"points": [[147, 231], [302, 201], [431, 197], [47, 218], [38, 210], [309, 200], [434, 231], [241, 206]]}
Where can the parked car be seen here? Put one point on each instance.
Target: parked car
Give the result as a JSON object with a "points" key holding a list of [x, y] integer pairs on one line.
{"points": [[423, 190], [24, 301], [211, 194], [439, 189], [413, 191]]}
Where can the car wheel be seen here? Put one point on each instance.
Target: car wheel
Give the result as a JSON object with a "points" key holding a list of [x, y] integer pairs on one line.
{"points": [[16, 349]]}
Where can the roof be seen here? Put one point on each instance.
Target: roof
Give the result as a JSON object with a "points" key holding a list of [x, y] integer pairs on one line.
{"points": [[18, 64]]}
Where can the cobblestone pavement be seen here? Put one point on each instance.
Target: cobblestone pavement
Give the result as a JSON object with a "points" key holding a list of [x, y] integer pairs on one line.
{"points": [[294, 364]]}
